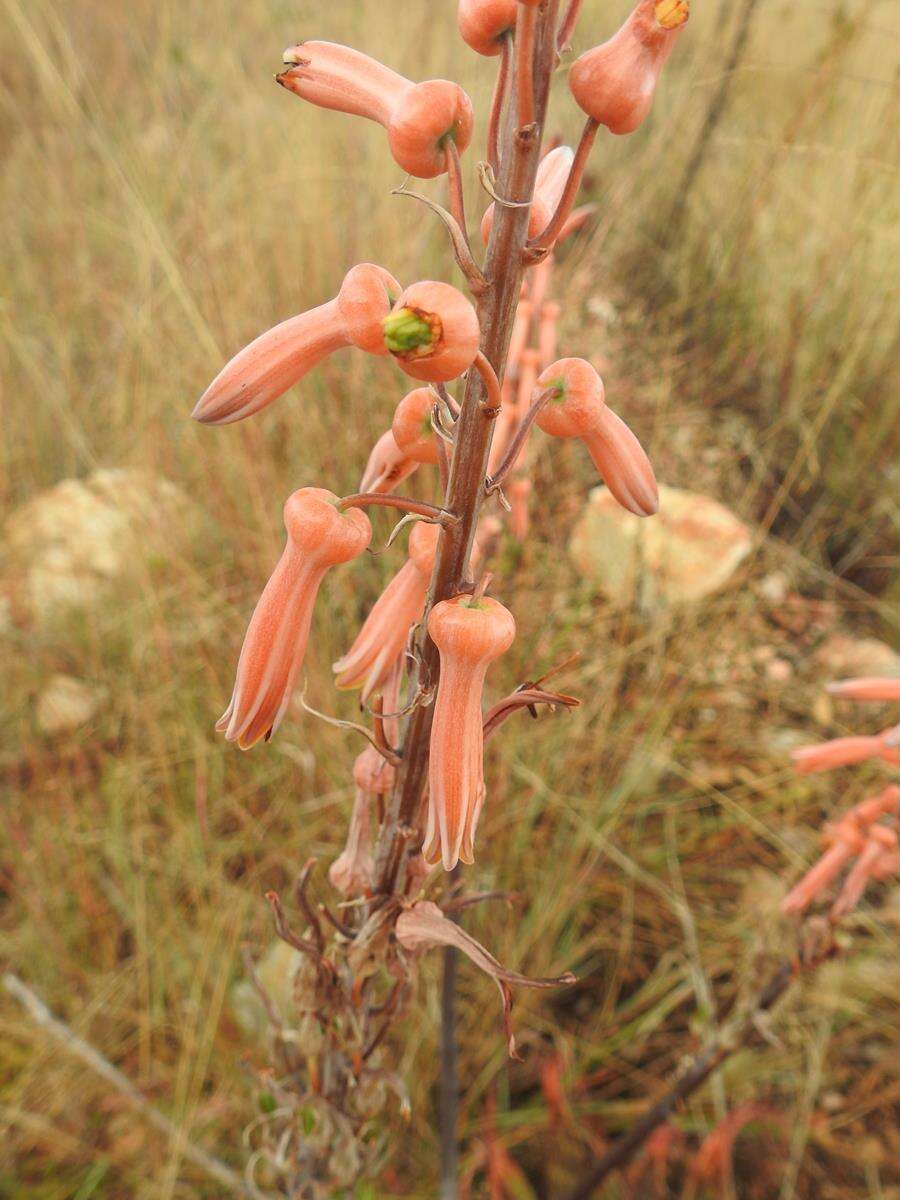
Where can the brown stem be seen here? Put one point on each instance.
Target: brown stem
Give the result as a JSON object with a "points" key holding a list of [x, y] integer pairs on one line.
{"points": [[512, 453], [442, 452], [404, 503], [543, 243], [465, 491], [526, 24], [497, 101], [567, 25], [690, 1079]]}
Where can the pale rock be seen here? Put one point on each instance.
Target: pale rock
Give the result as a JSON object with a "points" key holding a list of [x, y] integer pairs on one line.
{"points": [[844, 657], [66, 704], [276, 972], [63, 550], [689, 550]]}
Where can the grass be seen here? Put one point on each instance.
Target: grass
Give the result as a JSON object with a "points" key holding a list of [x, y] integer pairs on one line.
{"points": [[162, 202]]}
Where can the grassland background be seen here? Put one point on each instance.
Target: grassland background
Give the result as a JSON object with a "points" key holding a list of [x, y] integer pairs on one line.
{"points": [[161, 202]]}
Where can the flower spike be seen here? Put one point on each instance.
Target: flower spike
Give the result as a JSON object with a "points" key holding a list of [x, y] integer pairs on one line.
{"points": [[615, 83], [281, 356], [419, 117], [319, 537], [469, 633]]}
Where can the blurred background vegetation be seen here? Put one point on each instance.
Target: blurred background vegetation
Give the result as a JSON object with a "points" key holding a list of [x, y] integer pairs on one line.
{"points": [[161, 203]]}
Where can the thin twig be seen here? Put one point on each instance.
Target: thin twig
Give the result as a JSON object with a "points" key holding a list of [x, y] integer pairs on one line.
{"points": [[567, 26], [498, 99], [455, 186], [494, 398], [308, 911], [546, 239], [462, 251], [524, 698], [687, 1082], [85, 1053], [526, 20], [339, 723], [404, 503], [517, 442]]}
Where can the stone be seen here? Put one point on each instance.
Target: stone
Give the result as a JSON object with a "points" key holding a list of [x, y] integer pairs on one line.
{"points": [[689, 550], [64, 549], [66, 703], [845, 657]]}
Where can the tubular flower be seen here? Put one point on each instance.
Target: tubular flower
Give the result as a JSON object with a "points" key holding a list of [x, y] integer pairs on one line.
{"points": [[432, 332], [384, 633], [615, 83], [419, 117], [469, 634], [548, 334], [868, 688], [280, 357], [844, 841], [483, 24], [387, 466], [878, 847], [579, 411], [548, 188], [319, 537], [843, 752], [412, 427], [351, 872]]}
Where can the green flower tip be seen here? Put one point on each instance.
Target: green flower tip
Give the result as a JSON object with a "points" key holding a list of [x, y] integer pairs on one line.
{"points": [[405, 331]]}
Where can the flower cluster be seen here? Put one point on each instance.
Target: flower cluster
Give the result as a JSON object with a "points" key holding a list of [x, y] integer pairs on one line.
{"points": [[866, 836]]}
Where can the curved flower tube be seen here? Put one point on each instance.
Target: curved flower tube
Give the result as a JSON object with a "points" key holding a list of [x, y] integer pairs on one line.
{"points": [[432, 332], [880, 843], [615, 83], [385, 631], [548, 332], [419, 117], [470, 634], [352, 872], [387, 466], [580, 411], [319, 537], [412, 427], [281, 356], [866, 688], [549, 185], [842, 752], [484, 23], [844, 842]]}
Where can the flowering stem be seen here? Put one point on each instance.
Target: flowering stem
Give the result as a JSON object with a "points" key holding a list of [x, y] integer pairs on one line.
{"points": [[526, 21], [497, 101], [515, 446], [404, 503], [545, 240], [567, 25]]}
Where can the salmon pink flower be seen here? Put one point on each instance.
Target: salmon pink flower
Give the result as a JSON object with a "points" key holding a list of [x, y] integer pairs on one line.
{"points": [[615, 83], [579, 410], [868, 688], [879, 844], [280, 357], [423, 927], [352, 871], [412, 427], [844, 842], [470, 634], [548, 188], [843, 752], [385, 631], [432, 332], [484, 23], [387, 466], [420, 118], [319, 537]]}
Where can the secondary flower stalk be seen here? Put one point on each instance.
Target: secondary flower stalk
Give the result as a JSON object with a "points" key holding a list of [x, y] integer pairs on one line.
{"points": [[419, 117], [615, 83], [281, 356], [580, 411], [319, 537], [469, 634]]}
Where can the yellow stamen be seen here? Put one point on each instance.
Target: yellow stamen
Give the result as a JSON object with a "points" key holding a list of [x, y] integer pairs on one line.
{"points": [[672, 13]]}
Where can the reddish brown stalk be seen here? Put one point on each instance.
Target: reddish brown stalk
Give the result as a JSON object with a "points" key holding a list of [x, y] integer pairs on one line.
{"points": [[404, 503], [567, 25], [494, 396], [455, 185], [526, 22], [545, 240], [518, 441], [496, 309], [497, 101], [524, 698]]}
